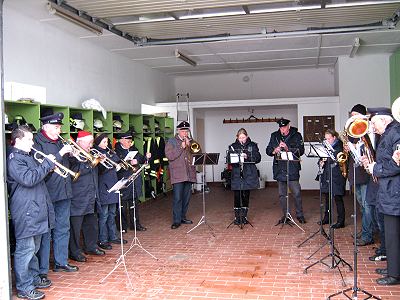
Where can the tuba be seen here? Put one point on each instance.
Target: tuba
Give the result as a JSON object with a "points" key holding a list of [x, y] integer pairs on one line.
{"points": [[60, 169]]}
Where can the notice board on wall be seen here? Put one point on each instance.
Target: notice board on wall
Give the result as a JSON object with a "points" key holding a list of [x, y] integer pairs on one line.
{"points": [[315, 127]]}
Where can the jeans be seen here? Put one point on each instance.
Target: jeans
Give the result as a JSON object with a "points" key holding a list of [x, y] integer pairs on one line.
{"points": [[381, 226], [107, 227], [26, 263], [181, 197], [295, 188], [44, 253], [361, 194]]}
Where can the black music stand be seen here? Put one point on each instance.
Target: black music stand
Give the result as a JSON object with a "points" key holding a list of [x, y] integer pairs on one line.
{"points": [[288, 156], [318, 151], [202, 159], [116, 188]]}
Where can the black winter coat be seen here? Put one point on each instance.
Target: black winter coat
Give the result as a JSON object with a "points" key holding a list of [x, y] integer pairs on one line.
{"points": [[294, 141], [127, 193], [338, 181], [85, 190], [59, 187], [388, 172], [249, 179], [107, 179], [31, 209]]}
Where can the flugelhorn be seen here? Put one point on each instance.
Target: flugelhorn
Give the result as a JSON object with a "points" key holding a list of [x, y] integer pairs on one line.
{"points": [[60, 169], [79, 153]]}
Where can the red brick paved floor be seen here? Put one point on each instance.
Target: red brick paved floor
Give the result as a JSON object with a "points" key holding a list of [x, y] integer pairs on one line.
{"points": [[253, 263]]}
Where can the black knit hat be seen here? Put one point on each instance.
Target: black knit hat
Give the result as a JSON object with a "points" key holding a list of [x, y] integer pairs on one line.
{"points": [[361, 109], [99, 137]]}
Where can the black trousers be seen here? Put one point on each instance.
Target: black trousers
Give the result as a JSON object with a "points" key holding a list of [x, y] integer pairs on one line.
{"points": [[339, 207], [245, 198], [127, 214], [392, 240], [89, 226]]}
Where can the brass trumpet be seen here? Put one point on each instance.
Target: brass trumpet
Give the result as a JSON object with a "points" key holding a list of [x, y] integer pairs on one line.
{"points": [[79, 153], [107, 162], [60, 169]]}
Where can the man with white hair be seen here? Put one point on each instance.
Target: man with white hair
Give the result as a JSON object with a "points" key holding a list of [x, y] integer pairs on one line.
{"points": [[388, 196]]}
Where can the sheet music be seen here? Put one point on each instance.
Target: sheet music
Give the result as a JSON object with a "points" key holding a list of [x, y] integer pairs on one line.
{"points": [[287, 155], [234, 157], [320, 151], [131, 155], [118, 185]]}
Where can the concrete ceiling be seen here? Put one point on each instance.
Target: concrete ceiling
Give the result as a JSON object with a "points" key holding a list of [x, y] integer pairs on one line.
{"points": [[274, 40]]}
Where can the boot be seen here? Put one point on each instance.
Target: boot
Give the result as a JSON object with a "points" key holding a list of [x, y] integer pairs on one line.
{"points": [[237, 215], [244, 215]]}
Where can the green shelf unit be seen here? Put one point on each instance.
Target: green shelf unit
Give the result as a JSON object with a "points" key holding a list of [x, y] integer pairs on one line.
{"points": [[125, 121], [30, 112], [136, 123], [149, 120], [63, 109], [87, 115], [107, 122]]}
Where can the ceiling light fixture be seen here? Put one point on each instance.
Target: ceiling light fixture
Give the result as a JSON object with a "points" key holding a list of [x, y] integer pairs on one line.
{"points": [[57, 10], [215, 14], [354, 48], [186, 59], [282, 9], [360, 3], [145, 20]]}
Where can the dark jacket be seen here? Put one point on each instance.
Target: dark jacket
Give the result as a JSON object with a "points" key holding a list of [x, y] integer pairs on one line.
{"points": [[31, 208], [338, 181], [180, 164], [388, 172], [249, 179], [107, 179], [127, 193], [85, 190], [59, 187], [294, 141], [362, 176]]}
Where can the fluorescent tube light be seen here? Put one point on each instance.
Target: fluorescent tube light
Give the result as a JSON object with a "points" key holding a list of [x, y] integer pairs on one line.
{"points": [[185, 58], [70, 16], [145, 20], [360, 3], [215, 14], [282, 9]]}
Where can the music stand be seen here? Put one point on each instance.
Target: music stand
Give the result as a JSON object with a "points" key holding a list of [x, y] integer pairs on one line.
{"points": [[288, 156], [202, 159], [116, 188], [317, 151], [131, 180]]}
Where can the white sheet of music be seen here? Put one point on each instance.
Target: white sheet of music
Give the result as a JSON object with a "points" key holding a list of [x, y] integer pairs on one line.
{"points": [[131, 155], [287, 155]]}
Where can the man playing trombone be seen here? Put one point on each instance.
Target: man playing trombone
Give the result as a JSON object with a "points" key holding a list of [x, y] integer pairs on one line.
{"points": [[60, 191]]}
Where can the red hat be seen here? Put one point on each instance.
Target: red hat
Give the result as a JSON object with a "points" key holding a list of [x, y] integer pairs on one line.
{"points": [[82, 134]]}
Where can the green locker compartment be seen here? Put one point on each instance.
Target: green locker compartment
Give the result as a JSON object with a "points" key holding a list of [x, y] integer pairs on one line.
{"points": [[48, 108], [136, 126], [29, 111], [87, 116], [102, 125], [120, 119]]}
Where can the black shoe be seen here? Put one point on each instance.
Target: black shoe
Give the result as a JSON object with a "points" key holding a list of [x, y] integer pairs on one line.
{"points": [[380, 271], [388, 280], [105, 246], [78, 258], [32, 295], [301, 220], [43, 283], [139, 227], [362, 243], [95, 252], [378, 257], [338, 225], [175, 225], [66, 268], [118, 241], [283, 219], [186, 221]]}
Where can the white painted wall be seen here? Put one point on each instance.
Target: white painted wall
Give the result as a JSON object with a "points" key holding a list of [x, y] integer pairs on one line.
{"points": [[74, 69], [292, 83], [363, 79]]}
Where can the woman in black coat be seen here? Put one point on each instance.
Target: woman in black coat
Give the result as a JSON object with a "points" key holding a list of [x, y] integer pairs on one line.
{"points": [[338, 181], [244, 176]]}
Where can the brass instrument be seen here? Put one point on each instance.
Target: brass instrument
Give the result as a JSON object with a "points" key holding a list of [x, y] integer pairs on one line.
{"points": [[107, 162], [195, 146], [79, 153], [60, 169], [357, 126], [124, 164], [341, 158]]}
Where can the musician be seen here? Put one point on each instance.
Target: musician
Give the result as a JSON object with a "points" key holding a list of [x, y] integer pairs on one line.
{"points": [[332, 177], [31, 211], [109, 201], [182, 173], [388, 197], [287, 138], [84, 204], [47, 141], [122, 148], [244, 176]]}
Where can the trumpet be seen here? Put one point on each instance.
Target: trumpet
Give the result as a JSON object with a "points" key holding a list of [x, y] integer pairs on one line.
{"points": [[107, 162], [79, 153], [60, 169]]}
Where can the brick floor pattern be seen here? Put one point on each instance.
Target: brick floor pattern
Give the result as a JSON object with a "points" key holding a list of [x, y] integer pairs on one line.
{"points": [[252, 263]]}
